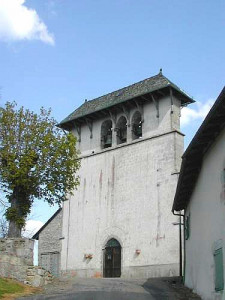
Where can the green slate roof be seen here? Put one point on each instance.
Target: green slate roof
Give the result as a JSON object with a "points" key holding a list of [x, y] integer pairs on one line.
{"points": [[137, 89]]}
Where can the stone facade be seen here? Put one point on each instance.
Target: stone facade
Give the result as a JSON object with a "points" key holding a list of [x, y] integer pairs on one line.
{"points": [[49, 244], [16, 262], [19, 247], [37, 276], [126, 193], [15, 255]]}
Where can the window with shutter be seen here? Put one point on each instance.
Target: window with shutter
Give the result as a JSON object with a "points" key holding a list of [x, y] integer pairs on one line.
{"points": [[219, 280]]}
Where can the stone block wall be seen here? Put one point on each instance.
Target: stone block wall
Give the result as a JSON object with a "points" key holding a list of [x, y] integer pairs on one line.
{"points": [[49, 237], [16, 262], [18, 247], [15, 255], [12, 267], [37, 276]]}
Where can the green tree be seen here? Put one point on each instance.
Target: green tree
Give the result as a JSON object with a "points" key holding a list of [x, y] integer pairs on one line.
{"points": [[37, 160]]}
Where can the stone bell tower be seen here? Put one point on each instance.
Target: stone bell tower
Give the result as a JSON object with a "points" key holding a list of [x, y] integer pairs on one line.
{"points": [[119, 221]]}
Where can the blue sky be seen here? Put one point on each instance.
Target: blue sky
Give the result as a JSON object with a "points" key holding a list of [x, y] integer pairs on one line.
{"points": [[56, 53]]}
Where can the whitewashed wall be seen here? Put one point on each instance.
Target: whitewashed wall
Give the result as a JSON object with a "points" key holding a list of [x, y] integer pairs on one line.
{"points": [[126, 192], [207, 223]]}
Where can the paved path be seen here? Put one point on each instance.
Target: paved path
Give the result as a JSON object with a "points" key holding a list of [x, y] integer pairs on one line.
{"points": [[112, 289]]}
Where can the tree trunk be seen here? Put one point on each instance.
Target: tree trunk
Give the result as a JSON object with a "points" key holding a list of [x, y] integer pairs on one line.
{"points": [[14, 229]]}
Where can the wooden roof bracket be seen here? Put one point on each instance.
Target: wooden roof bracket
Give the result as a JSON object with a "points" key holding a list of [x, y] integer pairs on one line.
{"points": [[90, 126], [127, 114], [156, 103], [140, 109], [113, 118], [171, 100], [78, 129]]}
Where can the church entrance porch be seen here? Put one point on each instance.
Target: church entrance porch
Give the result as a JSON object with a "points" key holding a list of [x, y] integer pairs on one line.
{"points": [[112, 259]]}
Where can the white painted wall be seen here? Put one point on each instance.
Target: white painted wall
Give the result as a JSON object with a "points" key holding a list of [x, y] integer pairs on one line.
{"points": [[126, 192], [151, 126], [207, 223]]}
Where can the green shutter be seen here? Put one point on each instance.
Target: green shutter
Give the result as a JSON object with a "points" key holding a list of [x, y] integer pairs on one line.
{"points": [[223, 176], [219, 281], [187, 228]]}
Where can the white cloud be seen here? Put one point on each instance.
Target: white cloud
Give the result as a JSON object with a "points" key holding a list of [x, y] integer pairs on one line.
{"points": [[189, 115], [18, 22], [32, 226]]}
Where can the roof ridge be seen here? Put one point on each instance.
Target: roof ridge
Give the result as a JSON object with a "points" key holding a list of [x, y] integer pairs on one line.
{"points": [[130, 85], [150, 84]]}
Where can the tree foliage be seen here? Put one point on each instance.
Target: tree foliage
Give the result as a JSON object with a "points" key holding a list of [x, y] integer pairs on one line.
{"points": [[37, 160]]}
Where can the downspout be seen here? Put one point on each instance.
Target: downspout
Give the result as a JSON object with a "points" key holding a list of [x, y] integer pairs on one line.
{"points": [[180, 244]]}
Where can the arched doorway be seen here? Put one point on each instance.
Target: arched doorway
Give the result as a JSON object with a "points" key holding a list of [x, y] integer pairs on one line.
{"points": [[112, 259]]}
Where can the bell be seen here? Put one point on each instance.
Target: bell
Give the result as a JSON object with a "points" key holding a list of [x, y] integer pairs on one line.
{"points": [[108, 140], [139, 131]]}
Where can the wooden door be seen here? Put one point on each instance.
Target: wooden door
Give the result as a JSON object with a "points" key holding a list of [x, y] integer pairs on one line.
{"points": [[112, 259], [50, 262]]}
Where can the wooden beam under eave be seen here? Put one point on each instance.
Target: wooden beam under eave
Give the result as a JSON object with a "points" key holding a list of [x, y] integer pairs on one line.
{"points": [[191, 169], [131, 103], [90, 117], [68, 126], [119, 108], [188, 175], [185, 194], [215, 122], [146, 98], [161, 93]]}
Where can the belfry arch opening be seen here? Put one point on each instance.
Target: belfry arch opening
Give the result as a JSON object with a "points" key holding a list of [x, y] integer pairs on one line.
{"points": [[112, 259], [106, 134], [121, 130], [136, 125]]}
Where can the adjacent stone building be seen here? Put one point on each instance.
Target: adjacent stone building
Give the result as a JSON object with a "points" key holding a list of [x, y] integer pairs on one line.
{"points": [[49, 243], [201, 194], [119, 221]]}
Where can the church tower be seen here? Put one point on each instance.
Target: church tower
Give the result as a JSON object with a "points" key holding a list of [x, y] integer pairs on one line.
{"points": [[119, 221]]}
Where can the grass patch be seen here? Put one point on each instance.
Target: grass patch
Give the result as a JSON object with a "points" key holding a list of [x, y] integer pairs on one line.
{"points": [[10, 289]]}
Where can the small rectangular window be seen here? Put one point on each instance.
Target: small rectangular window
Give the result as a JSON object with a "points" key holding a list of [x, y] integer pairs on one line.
{"points": [[218, 259], [187, 227]]}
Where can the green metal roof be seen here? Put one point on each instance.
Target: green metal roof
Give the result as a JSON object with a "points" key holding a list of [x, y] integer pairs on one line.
{"points": [[127, 93]]}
